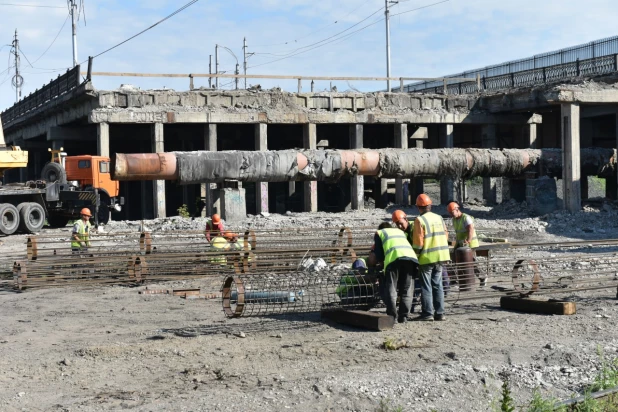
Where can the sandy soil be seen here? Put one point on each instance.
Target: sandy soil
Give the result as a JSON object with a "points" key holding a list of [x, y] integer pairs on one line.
{"points": [[110, 348]]}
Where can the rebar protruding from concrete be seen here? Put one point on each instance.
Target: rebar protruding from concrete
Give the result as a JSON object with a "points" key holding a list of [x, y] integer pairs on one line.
{"points": [[290, 165]]}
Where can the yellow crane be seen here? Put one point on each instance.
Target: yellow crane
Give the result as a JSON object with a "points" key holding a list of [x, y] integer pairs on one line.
{"points": [[10, 156]]}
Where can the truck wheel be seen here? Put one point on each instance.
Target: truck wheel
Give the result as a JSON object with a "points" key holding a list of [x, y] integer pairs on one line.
{"points": [[57, 221], [32, 217], [9, 219], [54, 172]]}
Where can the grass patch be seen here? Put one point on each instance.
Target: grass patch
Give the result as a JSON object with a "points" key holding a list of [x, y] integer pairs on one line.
{"points": [[386, 405]]}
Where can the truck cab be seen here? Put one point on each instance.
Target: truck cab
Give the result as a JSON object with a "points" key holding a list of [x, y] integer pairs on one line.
{"points": [[91, 172]]}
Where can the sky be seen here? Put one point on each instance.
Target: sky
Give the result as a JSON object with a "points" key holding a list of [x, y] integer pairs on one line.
{"points": [[430, 38]]}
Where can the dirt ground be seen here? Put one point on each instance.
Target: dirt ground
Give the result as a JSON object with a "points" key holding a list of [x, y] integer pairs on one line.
{"points": [[110, 348]]}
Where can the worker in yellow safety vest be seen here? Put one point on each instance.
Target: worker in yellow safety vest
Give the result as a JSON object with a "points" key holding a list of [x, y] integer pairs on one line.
{"points": [[220, 245], [400, 264], [430, 242], [80, 237], [465, 233]]}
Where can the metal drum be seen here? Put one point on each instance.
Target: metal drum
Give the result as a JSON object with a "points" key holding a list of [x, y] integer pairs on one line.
{"points": [[464, 259]]}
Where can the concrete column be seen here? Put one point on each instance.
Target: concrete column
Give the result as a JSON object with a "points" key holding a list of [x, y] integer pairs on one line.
{"points": [[103, 139], [208, 192], [158, 185], [571, 173], [357, 182], [529, 131], [310, 188], [380, 193], [401, 142], [492, 186], [417, 185], [611, 184], [447, 188], [261, 188]]}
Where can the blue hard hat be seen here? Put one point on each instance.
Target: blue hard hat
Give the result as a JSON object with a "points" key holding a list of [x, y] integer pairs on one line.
{"points": [[359, 264]]}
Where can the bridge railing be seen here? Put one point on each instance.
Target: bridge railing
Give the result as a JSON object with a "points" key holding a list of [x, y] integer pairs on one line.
{"points": [[527, 78], [57, 87]]}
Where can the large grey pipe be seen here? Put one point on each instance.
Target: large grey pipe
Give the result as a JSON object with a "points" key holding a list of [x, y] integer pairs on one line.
{"points": [[290, 165]]}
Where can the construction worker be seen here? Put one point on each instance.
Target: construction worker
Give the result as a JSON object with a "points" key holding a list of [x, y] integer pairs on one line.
{"points": [[80, 239], [465, 233], [232, 238], [357, 287], [214, 227], [400, 264], [220, 245], [430, 242]]}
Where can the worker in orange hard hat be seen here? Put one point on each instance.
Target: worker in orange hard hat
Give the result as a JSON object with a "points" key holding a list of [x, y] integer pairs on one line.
{"points": [[430, 242], [465, 233], [80, 237], [232, 238], [400, 219], [214, 227]]}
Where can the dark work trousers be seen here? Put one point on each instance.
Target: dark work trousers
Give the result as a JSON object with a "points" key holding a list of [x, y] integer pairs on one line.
{"points": [[398, 282]]}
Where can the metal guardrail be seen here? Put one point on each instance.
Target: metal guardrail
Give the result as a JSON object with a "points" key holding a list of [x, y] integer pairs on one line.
{"points": [[592, 50], [63, 84], [533, 77]]}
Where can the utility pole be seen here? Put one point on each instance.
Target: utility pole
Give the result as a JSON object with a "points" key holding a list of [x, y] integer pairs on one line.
{"points": [[236, 72], [244, 60], [73, 7], [217, 66], [210, 71], [387, 3], [18, 81]]}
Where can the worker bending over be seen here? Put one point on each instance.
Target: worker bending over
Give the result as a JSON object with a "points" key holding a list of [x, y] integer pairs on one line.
{"points": [[400, 264], [214, 227], [430, 242], [465, 233], [80, 238]]}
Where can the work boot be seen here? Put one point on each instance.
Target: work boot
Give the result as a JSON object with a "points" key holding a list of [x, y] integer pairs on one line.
{"points": [[424, 318], [439, 317], [402, 319]]}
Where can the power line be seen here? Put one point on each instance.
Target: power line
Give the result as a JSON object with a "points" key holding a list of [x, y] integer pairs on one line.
{"points": [[31, 5], [53, 41], [315, 31], [145, 30], [334, 35], [349, 34]]}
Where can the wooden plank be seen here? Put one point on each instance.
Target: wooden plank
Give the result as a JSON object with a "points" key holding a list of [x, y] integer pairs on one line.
{"points": [[185, 292], [529, 305], [361, 319]]}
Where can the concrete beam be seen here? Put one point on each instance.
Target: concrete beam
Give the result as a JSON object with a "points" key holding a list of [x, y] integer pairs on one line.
{"points": [[583, 96], [357, 183], [401, 142], [447, 189], [261, 188], [310, 188], [303, 117], [571, 171], [103, 139], [158, 146]]}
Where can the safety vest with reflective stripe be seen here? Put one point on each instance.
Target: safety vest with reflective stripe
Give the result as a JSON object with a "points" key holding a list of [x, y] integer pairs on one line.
{"points": [[83, 233], [395, 245], [461, 232], [219, 244], [435, 242]]}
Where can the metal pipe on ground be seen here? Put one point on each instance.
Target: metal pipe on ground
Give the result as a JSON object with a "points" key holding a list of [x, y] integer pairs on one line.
{"points": [[290, 165]]}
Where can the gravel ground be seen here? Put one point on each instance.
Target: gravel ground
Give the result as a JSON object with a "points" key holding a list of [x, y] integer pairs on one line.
{"points": [[110, 348]]}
